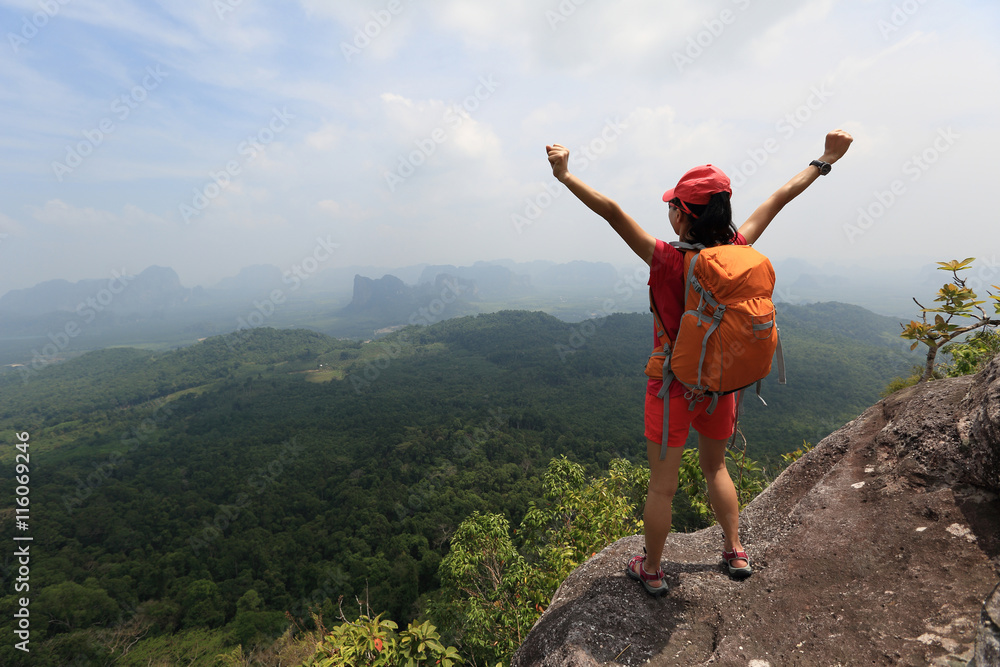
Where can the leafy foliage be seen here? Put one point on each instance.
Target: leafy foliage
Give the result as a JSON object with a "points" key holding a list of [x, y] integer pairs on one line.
{"points": [[367, 641], [970, 355], [792, 457], [176, 483], [495, 592], [903, 382], [489, 587], [578, 516], [71, 606], [749, 478], [957, 301]]}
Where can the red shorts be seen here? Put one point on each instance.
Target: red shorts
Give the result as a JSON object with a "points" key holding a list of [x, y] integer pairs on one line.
{"points": [[718, 426]]}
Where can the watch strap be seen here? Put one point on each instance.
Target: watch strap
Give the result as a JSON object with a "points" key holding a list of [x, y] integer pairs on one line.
{"points": [[824, 167]]}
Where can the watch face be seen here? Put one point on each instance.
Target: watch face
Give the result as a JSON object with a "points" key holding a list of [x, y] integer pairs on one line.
{"points": [[824, 167]]}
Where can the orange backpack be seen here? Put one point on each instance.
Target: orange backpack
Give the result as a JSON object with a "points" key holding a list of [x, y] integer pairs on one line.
{"points": [[728, 333]]}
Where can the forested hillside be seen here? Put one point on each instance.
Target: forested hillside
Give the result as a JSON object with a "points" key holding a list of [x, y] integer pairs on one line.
{"points": [[202, 493]]}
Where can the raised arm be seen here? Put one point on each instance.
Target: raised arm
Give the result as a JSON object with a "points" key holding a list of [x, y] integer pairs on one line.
{"points": [[837, 143], [638, 239]]}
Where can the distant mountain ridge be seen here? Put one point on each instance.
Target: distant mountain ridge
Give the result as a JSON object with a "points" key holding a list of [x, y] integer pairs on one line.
{"points": [[58, 319], [156, 287], [491, 281], [389, 301], [160, 287], [259, 279], [798, 281]]}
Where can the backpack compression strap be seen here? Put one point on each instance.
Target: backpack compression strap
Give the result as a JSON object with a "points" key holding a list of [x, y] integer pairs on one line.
{"points": [[779, 359], [718, 310]]}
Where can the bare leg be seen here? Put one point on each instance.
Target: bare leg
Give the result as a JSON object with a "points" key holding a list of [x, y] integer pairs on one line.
{"points": [[721, 492], [658, 513]]}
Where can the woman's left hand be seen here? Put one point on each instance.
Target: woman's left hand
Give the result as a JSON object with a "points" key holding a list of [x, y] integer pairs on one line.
{"points": [[559, 159]]}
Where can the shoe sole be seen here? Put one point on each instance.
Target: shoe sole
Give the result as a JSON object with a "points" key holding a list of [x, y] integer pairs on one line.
{"points": [[738, 573], [655, 592]]}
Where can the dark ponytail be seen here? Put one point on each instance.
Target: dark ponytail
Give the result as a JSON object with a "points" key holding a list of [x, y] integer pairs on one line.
{"points": [[712, 223]]}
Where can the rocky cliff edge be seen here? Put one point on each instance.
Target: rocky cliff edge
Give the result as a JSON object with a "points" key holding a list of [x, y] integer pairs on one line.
{"points": [[877, 547]]}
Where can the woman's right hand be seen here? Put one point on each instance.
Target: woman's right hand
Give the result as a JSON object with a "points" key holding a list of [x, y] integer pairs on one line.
{"points": [[559, 159], [837, 143]]}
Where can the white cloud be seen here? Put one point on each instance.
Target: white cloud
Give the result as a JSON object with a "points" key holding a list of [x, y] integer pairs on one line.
{"points": [[785, 34], [329, 207], [58, 213], [417, 79], [326, 138], [9, 226]]}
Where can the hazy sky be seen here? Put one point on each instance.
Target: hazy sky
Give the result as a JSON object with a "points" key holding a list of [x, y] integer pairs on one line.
{"points": [[208, 136]]}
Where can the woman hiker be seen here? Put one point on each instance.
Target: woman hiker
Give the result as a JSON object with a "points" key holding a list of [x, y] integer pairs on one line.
{"points": [[699, 212]]}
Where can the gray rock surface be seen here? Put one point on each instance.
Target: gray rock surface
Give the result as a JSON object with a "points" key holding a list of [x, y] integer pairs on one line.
{"points": [[988, 637], [877, 547]]}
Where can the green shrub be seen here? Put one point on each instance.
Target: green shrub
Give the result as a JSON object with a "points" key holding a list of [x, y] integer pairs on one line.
{"points": [[375, 642]]}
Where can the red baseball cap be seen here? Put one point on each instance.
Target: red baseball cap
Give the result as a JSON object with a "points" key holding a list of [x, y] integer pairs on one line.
{"points": [[698, 185]]}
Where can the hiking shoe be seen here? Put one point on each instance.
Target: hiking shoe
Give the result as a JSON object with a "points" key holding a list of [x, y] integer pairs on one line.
{"points": [[737, 572], [637, 571]]}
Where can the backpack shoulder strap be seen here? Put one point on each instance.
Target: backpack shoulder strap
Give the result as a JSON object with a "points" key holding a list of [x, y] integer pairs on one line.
{"points": [[780, 358]]}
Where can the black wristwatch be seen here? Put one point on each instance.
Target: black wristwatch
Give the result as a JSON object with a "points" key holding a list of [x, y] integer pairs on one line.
{"points": [[824, 167]]}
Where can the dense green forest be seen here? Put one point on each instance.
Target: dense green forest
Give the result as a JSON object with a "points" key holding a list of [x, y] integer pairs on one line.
{"points": [[198, 495]]}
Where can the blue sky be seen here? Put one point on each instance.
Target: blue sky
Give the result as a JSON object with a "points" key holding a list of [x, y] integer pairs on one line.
{"points": [[209, 136]]}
